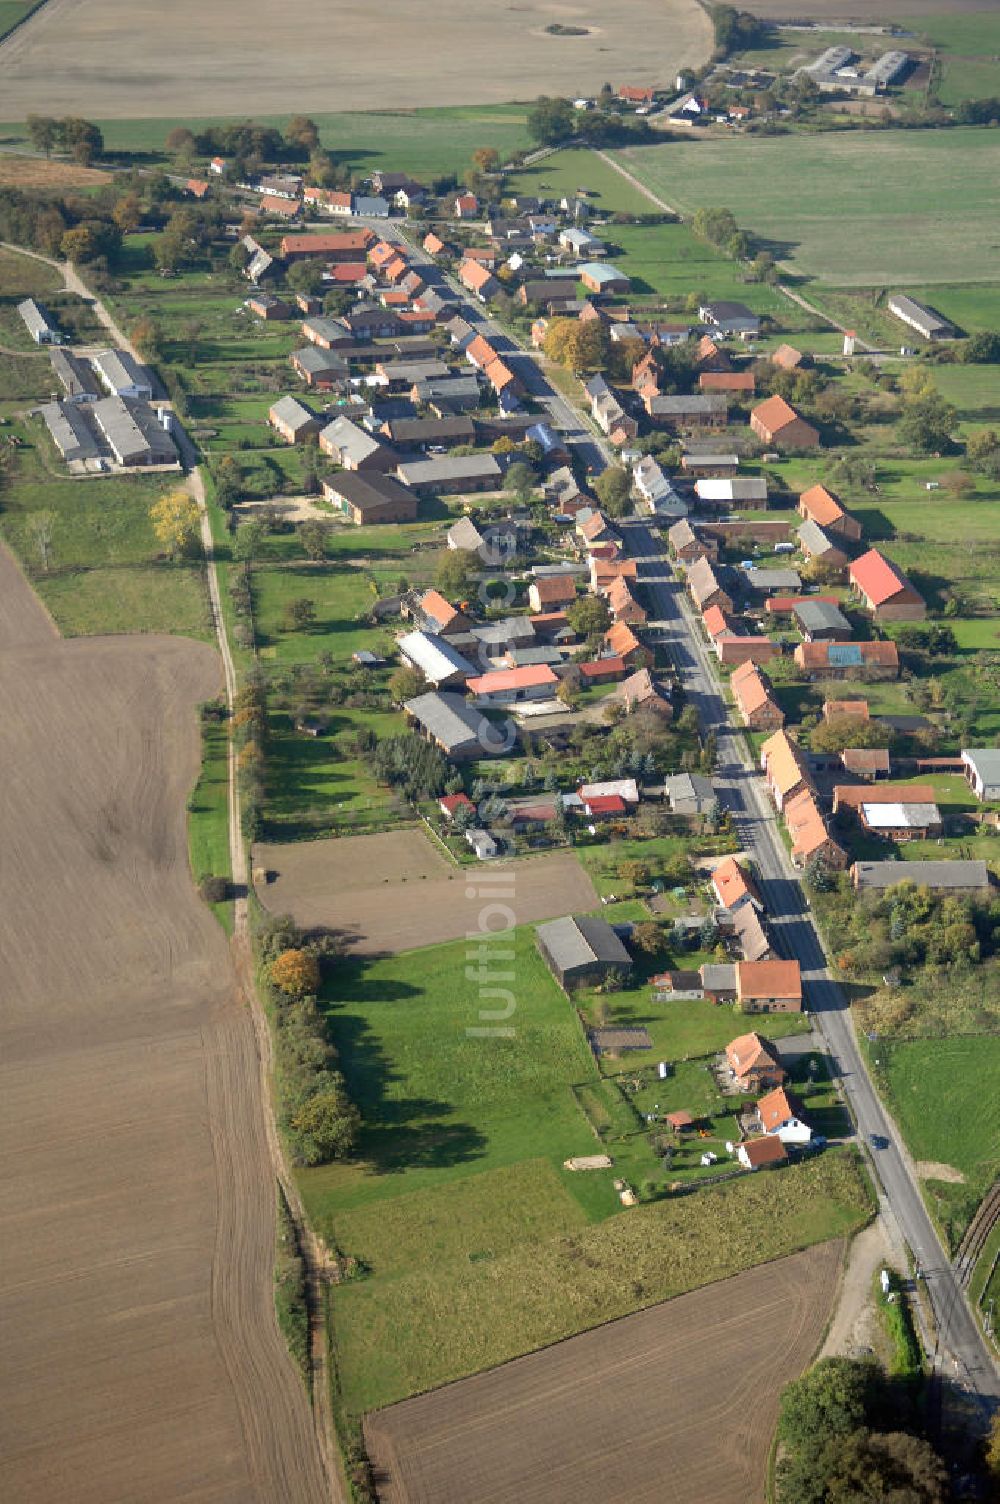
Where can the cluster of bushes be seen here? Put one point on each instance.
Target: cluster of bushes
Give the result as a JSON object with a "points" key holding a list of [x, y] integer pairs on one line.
{"points": [[250, 731], [409, 763], [911, 929], [318, 1118], [846, 1432], [553, 122]]}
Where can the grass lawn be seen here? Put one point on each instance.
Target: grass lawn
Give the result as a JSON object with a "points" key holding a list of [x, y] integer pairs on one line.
{"points": [[944, 1094], [104, 574], [427, 143], [859, 208], [208, 816], [969, 46], [340, 593], [984, 1287], [318, 782], [459, 1313], [23, 276], [567, 171]]}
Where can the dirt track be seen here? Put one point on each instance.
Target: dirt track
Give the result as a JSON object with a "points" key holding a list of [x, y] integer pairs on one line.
{"points": [[395, 892], [676, 1403], [141, 1355], [111, 59]]}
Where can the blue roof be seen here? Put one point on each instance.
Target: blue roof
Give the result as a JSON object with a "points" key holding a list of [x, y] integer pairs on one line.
{"points": [[543, 434]]}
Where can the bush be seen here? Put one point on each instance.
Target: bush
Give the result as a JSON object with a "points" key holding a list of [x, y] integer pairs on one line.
{"points": [[295, 973], [213, 888]]}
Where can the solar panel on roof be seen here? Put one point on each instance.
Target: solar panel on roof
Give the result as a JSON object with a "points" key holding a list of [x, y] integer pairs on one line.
{"points": [[845, 654]]}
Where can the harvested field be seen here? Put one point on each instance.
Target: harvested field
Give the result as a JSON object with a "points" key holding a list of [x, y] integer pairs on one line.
{"points": [[142, 1358], [679, 1401], [395, 892], [96, 60], [36, 172]]}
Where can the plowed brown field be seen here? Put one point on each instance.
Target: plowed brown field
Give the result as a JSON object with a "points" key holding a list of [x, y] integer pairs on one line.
{"points": [[675, 1405], [113, 59], [141, 1357], [396, 891]]}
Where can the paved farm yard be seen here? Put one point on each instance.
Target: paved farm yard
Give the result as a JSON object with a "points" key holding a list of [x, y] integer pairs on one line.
{"points": [[394, 892], [860, 209], [685, 1392], [188, 58]]}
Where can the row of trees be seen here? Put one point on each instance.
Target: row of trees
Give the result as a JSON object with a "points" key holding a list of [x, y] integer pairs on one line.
{"points": [[81, 138], [319, 1119]]}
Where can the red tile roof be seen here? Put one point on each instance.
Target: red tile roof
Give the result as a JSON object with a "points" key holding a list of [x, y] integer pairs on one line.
{"points": [[715, 621], [730, 883], [776, 1108], [821, 506], [774, 414], [764, 1151], [877, 578], [512, 678], [749, 1052], [327, 245], [451, 802], [606, 804], [764, 979], [603, 668]]}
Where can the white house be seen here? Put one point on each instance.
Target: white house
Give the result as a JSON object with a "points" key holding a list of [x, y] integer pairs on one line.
{"points": [[779, 1118]]}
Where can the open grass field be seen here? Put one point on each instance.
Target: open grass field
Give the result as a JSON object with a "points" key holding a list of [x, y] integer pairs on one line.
{"points": [[945, 1096], [590, 1419], [900, 12], [850, 209], [395, 891], [399, 57], [137, 1194], [969, 46], [103, 572], [434, 1324]]}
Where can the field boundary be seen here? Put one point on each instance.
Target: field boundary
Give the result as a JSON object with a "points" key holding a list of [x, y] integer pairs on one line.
{"points": [[21, 21]]}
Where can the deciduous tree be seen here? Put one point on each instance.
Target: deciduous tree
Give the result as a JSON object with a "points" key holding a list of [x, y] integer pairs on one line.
{"points": [[295, 972], [176, 522]]}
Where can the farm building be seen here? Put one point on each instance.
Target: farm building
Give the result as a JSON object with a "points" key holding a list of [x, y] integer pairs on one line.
{"points": [[450, 473], [511, 686], [884, 590], [75, 376], [581, 951], [70, 431], [728, 381], [550, 592], [769, 581], [959, 876], [787, 358], [918, 316], [737, 491], [735, 649], [447, 720], [440, 663], [901, 822], [819, 545], [982, 772], [730, 318], [347, 245], [319, 369], [349, 446], [133, 433], [821, 621], [849, 797], [370, 497], [266, 306], [122, 375], [701, 410], [843, 660], [776, 422], [39, 322], [599, 277], [293, 420], [417, 433]]}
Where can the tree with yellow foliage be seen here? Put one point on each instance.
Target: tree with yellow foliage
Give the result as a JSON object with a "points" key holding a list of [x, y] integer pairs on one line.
{"points": [[295, 972], [176, 522]]}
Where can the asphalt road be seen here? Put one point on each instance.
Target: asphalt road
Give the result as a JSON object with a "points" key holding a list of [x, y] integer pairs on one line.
{"points": [[962, 1352]]}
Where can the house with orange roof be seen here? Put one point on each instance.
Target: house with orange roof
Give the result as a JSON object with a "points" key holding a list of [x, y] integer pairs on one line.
{"points": [[197, 187], [734, 648], [500, 377], [733, 885], [811, 839], [479, 352], [709, 357], [855, 710], [780, 1116], [784, 766], [850, 797], [758, 708], [624, 606], [478, 280], [466, 206], [769, 986], [776, 423], [820, 506], [280, 208], [786, 358], [604, 571], [634, 94], [762, 1153], [621, 641], [753, 1062], [884, 589], [433, 244], [433, 613], [716, 623], [345, 245]]}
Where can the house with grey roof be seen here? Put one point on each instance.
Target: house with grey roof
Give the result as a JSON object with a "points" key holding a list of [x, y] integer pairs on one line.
{"points": [[39, 322], [699, 410], [581, 951], [817, 544], [449, 721], [320, 368], [767, 581], [448, 394], [690, 794]]}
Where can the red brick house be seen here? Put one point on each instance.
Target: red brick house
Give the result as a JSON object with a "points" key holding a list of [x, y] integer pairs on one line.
{"points": [[884, 589], [776, 423]]}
